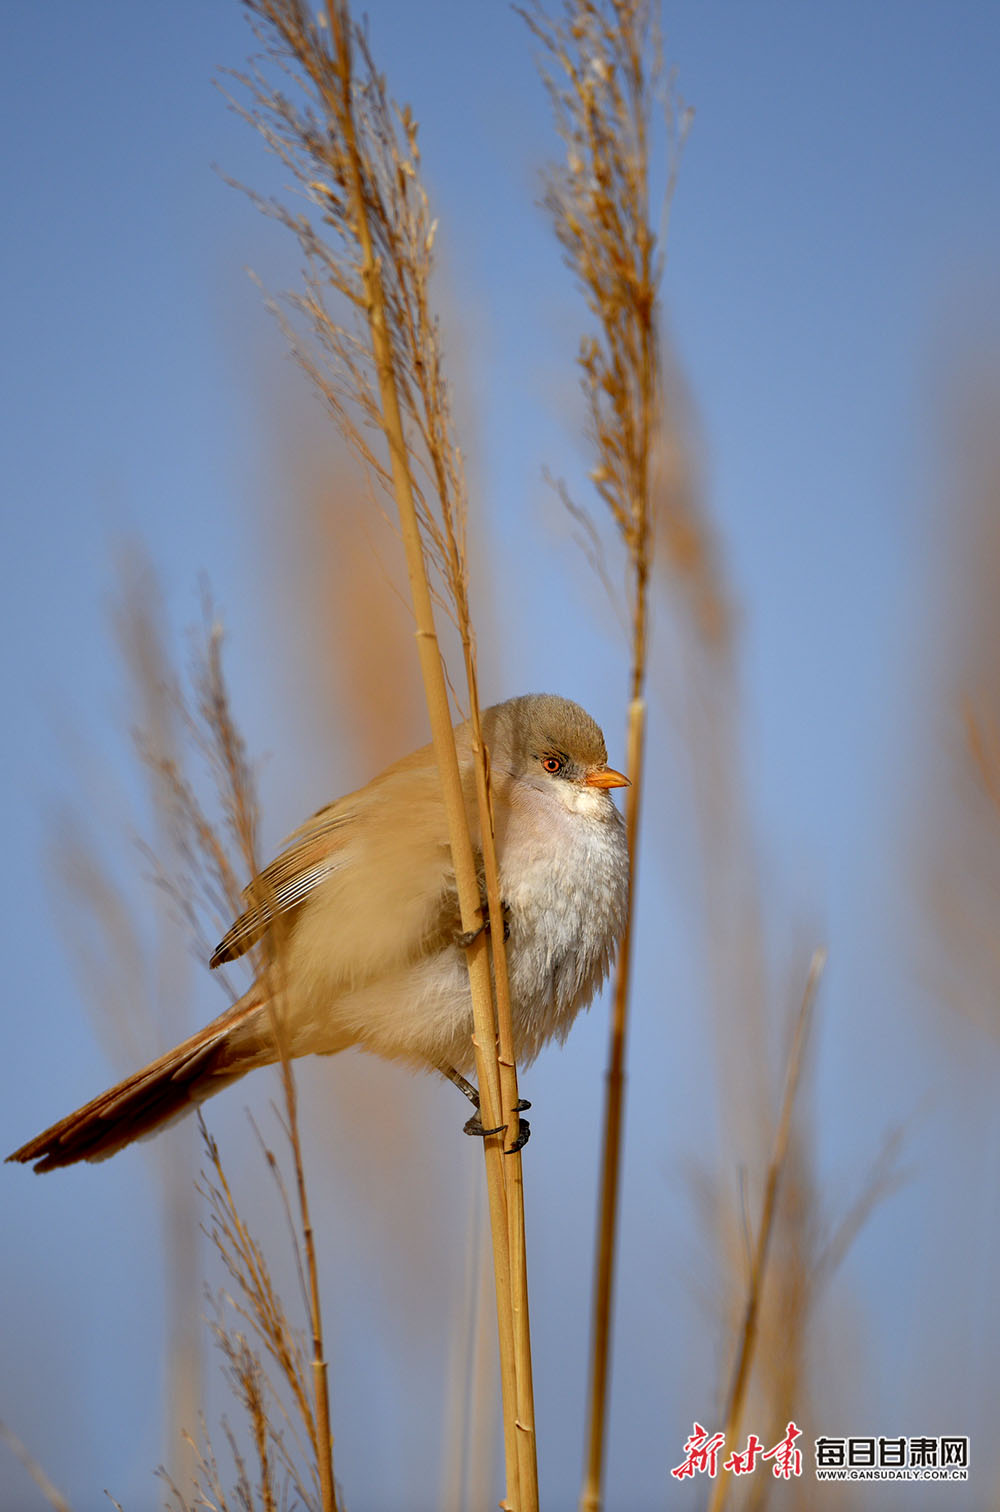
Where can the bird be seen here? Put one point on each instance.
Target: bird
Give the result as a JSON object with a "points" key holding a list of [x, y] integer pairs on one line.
{"points": [[362, 904]]}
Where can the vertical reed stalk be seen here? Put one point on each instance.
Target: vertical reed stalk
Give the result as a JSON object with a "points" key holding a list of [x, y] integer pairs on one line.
{"points": [[614, 1107], [604, 62], [369, 245], [758, 1265], [524, 1425], [384, 276]]}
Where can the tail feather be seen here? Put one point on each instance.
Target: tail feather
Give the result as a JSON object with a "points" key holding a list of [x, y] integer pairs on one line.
{"points": [[161, 1092]]}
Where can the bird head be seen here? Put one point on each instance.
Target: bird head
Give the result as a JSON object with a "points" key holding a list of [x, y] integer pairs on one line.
{"points": [[552, 746]]}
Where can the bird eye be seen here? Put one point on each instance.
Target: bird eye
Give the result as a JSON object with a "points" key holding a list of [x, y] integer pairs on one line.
{"points": [[552, 764]]}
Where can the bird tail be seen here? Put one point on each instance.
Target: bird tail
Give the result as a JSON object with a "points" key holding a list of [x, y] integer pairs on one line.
{"points": [[161, 1092]]}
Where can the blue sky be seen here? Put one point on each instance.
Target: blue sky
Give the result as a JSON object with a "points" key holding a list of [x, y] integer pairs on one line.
{"points": [[833, 240]]}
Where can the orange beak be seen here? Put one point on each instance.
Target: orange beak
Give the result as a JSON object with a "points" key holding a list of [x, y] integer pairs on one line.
{"points": [[604, 777]]}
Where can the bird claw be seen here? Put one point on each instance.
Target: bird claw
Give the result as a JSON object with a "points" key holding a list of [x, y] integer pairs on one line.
{"points": [[465, 938], [474, 1125]]}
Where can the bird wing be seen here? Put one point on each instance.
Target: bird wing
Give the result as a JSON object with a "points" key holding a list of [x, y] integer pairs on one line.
{"points": [[375, 872], [311, 854]]}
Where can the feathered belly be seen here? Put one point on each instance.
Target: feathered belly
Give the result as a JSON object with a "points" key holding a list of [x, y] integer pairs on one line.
{"points": [[557, 961], [564, 927], [565, 922]]}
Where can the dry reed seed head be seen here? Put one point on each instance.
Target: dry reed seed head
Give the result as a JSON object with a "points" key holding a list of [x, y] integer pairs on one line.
{"points": [[255, 1300], [383, 377], [402, 231]]}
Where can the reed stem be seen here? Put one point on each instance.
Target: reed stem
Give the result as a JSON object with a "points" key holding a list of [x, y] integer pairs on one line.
{"points": [[614, 1109], [439, 712]]}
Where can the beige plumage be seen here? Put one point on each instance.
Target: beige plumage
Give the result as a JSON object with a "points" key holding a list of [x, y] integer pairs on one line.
{"points": [[370, 946]]}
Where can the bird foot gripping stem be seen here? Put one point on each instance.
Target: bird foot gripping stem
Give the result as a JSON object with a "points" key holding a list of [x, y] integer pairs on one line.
{"points": [[474, 1125]]}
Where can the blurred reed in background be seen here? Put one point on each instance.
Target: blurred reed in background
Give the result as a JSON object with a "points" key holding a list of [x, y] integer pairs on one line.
{"points": [[133, 964], [957, 847]]}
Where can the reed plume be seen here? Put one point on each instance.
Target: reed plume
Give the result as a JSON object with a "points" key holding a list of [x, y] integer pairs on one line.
{"points": [[213, 859], [601, 68], [268, 1363], [373, 350]]}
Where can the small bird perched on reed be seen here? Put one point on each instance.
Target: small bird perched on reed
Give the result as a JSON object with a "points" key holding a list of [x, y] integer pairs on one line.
{"points": [[362, 909]]}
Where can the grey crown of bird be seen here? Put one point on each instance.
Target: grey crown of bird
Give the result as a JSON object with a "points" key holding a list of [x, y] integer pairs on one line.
{"points": [[371, 946]]}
